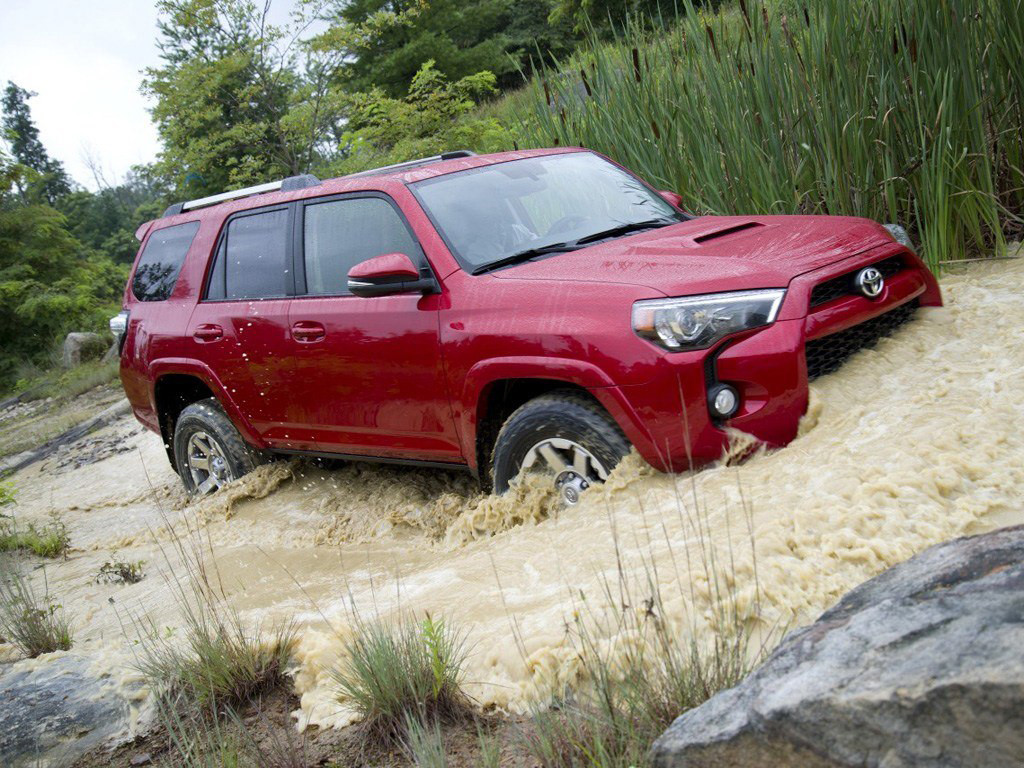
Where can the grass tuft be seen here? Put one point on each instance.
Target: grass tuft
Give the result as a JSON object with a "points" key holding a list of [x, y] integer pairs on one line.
{"points": [[424, 743], [218, 659], [33, 623], [408, 669], [51, 540], [490, 748]]}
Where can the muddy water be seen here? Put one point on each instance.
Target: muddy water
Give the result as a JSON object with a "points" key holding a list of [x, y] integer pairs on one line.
{"points": [[914, 442]]}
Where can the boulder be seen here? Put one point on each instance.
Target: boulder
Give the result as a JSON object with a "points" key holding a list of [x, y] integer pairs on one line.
{"points": [[921, 666], [79, 347], [55, 709]]}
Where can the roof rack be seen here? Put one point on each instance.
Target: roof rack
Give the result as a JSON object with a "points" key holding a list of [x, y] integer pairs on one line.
{"points": [[284, 185], [454, 154]]}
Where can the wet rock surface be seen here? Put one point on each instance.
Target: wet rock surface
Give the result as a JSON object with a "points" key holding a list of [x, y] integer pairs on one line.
{"points": [[920, 666], [54, 710]]}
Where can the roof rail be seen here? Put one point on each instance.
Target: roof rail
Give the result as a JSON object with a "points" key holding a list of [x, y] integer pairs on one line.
{"points": [[414, 163], [284, 185]]}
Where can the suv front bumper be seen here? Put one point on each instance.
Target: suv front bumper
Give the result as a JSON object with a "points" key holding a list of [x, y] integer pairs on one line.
{"points": [[667, 418]]}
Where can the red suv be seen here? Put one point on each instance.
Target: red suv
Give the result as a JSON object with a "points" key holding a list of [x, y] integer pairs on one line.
{"points": [[527, 310]]}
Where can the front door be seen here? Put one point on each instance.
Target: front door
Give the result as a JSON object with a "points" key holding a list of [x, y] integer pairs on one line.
{"points": [[368, 371]]}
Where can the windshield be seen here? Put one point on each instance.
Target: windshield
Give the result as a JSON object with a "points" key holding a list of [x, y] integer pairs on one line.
{"points": [[502, 212]]}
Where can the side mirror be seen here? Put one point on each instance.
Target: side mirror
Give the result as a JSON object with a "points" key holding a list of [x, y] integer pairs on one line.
{"points": [[673, 198], [388, 274]]}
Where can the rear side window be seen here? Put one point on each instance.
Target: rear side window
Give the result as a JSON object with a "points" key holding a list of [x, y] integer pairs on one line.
{"points": [[252, 260], [342, 233], [161, 261]]}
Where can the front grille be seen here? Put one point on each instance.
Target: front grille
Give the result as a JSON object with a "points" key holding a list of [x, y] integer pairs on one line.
{"points": [[843, 285], [829, 353]]}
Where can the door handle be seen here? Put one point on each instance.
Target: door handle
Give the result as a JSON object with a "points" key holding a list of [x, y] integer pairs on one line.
{"points": [[208, 332], [308, 332]]}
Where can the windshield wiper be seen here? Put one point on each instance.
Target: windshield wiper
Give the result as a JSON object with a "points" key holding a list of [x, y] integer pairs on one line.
{"points": [[572, 245], [624, 229], [526, 255]]}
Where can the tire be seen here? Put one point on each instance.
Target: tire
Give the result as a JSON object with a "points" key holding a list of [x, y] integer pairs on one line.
{"points": [[558, 418], [202, 427]]}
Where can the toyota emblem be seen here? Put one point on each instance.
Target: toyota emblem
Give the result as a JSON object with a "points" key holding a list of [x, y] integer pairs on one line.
{"points": [[869, 281]]}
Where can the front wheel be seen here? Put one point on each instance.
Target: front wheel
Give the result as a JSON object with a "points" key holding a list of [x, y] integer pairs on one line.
{"points": [[208, 450], [564, 434]]}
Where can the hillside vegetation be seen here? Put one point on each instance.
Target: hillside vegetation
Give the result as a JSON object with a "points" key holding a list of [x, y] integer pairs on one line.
{"points": [[906, 111], [900, 110]]}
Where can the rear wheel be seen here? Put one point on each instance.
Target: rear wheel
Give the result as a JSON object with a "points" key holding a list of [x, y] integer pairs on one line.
{"points": [[564, 434], [208, 450]]}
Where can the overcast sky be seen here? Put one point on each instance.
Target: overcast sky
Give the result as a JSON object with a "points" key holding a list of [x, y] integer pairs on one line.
{"points": [[84, 58]]}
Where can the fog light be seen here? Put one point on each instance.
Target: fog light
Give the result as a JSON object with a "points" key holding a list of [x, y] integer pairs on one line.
{"points": [[723, 401]]}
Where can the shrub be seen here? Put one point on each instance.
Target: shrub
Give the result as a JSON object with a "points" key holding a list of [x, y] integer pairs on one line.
{"points": [[118, 571], [394, 671], [33, 623]]}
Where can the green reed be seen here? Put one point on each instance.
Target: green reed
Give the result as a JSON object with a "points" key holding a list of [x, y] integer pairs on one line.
{"points": [[899, 110]]}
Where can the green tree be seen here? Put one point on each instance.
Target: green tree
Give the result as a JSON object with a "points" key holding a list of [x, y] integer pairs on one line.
{"points": [[462, 37], [49, 282], [105, 221], [431, 118], [226, 95], [50, 181]]}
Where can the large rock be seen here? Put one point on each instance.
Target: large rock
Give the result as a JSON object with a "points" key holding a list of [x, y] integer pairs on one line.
{"points": [[79, 347], [921, 666], [56, 708]]}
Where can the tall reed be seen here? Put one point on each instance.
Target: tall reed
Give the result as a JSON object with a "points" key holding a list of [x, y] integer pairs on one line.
{"points": [[899, 110]]}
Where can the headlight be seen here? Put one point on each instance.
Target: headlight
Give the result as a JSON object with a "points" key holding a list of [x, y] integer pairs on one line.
{"points": [[899, 234], [697, 322]]}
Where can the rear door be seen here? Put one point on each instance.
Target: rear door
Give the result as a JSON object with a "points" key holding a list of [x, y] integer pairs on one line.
{"points": [[240, 328], [367, 371]]}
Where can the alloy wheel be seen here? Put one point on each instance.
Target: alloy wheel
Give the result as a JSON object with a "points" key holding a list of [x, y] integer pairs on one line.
{"points": [[207, 463], [574, 467]]}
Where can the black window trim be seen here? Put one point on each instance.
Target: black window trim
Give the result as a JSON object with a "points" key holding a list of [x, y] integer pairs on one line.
{"points": [[222, 237], [299, 241]]}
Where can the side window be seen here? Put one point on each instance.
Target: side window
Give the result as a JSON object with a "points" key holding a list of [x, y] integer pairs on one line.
{"points": [[339, 234], [161, 261], [252, 261]]}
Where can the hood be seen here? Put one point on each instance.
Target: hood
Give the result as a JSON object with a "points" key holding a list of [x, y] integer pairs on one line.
{"points": [[712, 253]]}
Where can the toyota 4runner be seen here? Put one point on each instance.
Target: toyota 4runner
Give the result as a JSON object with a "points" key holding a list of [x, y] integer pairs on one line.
{"points": [[541, 310]]}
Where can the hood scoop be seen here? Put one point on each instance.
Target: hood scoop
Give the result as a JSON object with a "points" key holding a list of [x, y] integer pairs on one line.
{"points": [[726, 231]]}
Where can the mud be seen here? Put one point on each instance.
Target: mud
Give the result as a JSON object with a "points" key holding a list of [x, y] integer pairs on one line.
{"points": [[911, 443]]}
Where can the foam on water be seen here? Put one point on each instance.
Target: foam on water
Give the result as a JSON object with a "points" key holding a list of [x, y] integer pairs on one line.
{"points": [[914, 442]]}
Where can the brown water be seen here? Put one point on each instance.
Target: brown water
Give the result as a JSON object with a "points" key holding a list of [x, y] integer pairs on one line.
{"points": [[914, 442]]}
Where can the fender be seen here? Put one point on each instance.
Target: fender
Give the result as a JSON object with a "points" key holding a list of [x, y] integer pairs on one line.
{"points": [[191, 367], [468, 408]]}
